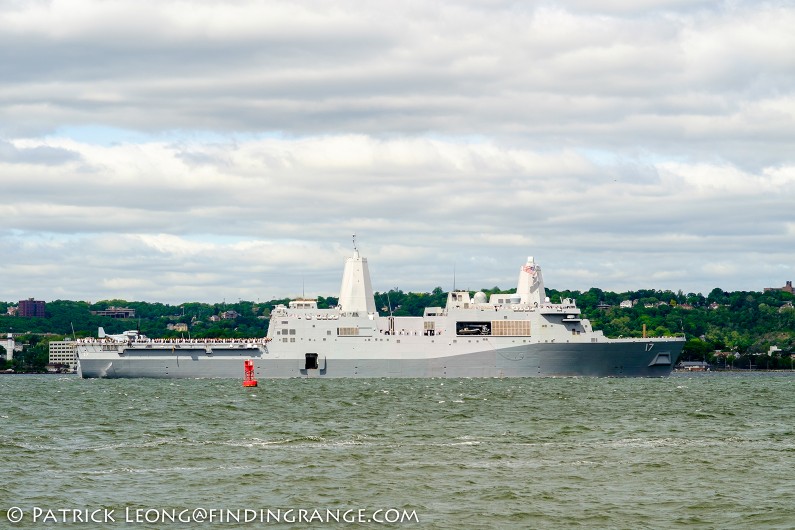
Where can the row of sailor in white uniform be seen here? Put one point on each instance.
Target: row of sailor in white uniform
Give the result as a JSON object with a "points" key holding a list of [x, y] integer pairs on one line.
{"points": [[260, 340]]}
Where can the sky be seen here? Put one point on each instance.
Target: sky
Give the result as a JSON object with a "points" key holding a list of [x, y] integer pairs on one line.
{"points": [[176, 151]]}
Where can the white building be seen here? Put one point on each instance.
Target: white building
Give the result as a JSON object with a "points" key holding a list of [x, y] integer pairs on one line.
{"points": [[63, 352], [9, 346]]}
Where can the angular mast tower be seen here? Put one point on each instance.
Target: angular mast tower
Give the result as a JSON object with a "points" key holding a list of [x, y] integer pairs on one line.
{"points": [[530, 286], [356, 292]]}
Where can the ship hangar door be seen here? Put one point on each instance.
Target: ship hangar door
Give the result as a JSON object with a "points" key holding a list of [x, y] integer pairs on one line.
{"points": [[311, 362]]}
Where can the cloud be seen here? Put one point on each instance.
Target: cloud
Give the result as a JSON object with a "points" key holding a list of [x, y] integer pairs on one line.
{"points": [[276, 206], [39, 155], [158, 151]]}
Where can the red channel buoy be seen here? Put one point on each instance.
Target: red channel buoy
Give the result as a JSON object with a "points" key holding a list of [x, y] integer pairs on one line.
{"points": [[248, 378]]}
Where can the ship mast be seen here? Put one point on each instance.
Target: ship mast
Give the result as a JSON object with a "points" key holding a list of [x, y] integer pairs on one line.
{"points": [[356, 292]]}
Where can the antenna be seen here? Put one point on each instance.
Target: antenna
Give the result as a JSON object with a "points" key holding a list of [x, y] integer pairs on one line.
{"points": [[453, 276], [391, 318], [354, 243], [74, 337]]}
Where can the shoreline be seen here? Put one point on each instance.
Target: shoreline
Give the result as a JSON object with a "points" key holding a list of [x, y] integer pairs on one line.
{"points": [[38, 373]]}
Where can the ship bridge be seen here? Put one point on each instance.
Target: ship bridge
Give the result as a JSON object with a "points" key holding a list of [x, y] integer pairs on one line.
{"points": [[303, 303], [459, 300]]}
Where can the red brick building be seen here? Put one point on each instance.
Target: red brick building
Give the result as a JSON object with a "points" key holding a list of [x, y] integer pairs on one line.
{"points": [[787, 288], [31, 308]]}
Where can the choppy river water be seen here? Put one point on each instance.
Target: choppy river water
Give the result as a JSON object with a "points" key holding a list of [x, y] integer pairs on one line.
{"points": [[689, 451]]}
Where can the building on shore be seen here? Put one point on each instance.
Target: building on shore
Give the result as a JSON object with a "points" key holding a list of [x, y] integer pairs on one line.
{"points": [[9, 346], [115, 312], [31, 308], [787, 288], [62, 352]]}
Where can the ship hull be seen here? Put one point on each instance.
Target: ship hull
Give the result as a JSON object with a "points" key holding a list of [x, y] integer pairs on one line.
{"points": [[627, 358]]}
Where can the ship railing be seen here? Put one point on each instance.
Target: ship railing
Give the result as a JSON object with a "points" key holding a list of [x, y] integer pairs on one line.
{"points": [[112, 342], [553, 308], [543, 308], [649, 338]]}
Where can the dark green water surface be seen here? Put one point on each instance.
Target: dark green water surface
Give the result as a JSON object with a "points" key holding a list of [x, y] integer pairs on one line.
{"points": [[701, 451]]}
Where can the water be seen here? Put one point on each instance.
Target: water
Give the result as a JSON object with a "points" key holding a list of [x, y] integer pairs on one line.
{"points": [[700, 451]]}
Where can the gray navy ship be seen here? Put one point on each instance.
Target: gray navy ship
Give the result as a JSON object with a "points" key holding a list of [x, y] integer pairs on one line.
{"points": [[521, 334]]}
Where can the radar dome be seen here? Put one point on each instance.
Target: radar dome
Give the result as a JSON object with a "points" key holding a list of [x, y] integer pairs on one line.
{"points": [[480, 297]]}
